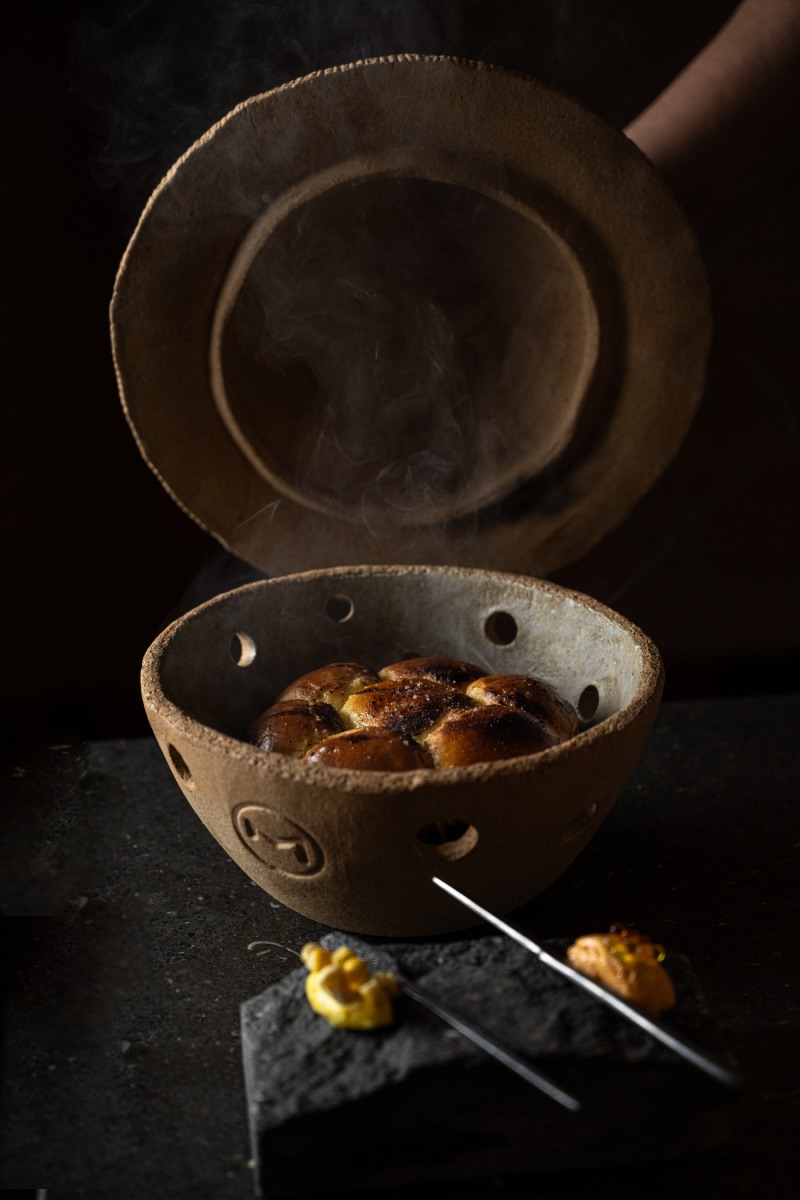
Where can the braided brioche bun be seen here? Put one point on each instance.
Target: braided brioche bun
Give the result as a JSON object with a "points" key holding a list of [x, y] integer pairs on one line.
{"points": [[530, 696], [406, 706], [292, 727], [438, 670], [369, 750], [423, 712], [330, 685], [486, 734]]}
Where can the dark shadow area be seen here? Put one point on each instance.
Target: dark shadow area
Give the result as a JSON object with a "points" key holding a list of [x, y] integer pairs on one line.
{"points": [[100, 100]]}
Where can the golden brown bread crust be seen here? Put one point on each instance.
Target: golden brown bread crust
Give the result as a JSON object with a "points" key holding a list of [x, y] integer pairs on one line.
{"points": [[423, 712], [330, 685], [531, 696], [487, 734], [369, 750], [406, 706], [452, 671], [292, 727]]}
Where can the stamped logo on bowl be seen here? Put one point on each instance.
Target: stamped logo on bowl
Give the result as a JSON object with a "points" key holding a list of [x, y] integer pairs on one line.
{"points": [[277, 842]]}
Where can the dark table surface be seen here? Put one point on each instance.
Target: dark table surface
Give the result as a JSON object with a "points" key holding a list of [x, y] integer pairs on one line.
{"points": [[128, 954]]}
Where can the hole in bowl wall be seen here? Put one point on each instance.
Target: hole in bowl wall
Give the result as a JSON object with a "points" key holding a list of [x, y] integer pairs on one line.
{"points": [[581, 822], [180, 766], [449, 839], [340, 608], [588, 702], [501, 629], [243, 649]]}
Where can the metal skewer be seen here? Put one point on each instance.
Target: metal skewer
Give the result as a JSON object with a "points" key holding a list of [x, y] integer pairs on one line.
{"points": [[497, 1050], [379, 959], [680, 1045]]}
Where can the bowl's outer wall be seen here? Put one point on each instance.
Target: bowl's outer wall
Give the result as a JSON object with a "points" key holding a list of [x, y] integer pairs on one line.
{"points": [[341, 846]]}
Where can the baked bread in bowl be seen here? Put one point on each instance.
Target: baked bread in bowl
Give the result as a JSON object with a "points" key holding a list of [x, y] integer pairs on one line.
{"points": [[357, 848], [442, 711]]}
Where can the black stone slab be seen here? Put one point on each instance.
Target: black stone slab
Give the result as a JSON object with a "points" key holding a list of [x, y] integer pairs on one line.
{"points": [[360, 1098]]}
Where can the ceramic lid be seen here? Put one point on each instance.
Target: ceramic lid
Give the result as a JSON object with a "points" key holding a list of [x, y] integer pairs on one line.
{"points": [[410, 310]]}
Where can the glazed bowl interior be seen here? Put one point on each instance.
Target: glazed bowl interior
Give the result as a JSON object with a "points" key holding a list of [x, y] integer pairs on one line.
{"points": [[350, 848]]}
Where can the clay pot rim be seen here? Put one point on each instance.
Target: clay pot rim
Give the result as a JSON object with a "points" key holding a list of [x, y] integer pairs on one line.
{"points": [[393, 782]]}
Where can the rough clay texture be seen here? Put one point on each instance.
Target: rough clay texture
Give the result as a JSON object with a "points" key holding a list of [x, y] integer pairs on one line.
{"points": [[343, 846], [567, 190], [361, 1101]]}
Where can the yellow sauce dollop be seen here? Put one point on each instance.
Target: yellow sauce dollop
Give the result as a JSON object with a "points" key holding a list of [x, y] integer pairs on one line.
{"points": [[341, 989]]}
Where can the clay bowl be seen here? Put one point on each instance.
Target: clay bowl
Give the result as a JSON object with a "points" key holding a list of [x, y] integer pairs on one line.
{"points": [[355, 849]]}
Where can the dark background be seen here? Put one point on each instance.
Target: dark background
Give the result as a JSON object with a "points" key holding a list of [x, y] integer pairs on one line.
{"points": [[99, 101]]}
